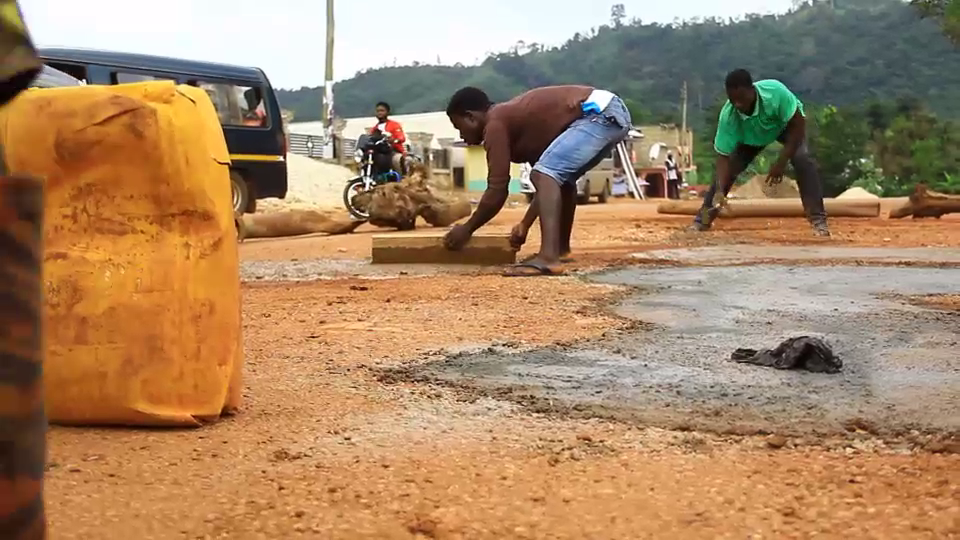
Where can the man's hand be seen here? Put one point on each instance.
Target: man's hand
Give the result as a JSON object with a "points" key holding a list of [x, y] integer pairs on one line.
{"points": [[458, 237], [775, 176], [518, 236]]}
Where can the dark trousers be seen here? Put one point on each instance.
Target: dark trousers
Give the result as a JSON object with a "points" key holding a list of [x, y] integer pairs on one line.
{"points": [[673, 189], [808, 179]]}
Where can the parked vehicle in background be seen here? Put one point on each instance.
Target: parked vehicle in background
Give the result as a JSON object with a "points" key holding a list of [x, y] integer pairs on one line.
{"points": [[598, 182], [53, 78], [245, 101]]}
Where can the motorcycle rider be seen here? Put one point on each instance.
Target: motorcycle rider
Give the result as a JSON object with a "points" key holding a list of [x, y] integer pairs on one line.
{"points": [[394, 130]]}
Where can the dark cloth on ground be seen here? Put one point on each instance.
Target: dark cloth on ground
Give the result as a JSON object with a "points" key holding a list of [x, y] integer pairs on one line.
{"points": [[804, 352]]}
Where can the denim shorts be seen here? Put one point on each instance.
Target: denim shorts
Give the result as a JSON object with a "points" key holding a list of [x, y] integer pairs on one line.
{"points": [[585, 143]]}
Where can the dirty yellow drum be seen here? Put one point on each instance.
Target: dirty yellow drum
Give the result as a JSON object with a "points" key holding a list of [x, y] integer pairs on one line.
{"points": [[141, 269]]}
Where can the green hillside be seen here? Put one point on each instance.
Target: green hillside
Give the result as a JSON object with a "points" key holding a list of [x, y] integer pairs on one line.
{"points": [[857, 52]]}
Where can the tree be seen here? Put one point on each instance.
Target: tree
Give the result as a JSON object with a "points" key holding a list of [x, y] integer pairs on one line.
{"points": [[948, 11], [843, 56], [837, 141], [618, 12]]}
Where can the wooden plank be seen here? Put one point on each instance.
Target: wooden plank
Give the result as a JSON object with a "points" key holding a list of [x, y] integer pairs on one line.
{"points": [[776, 208], [427, 248]]}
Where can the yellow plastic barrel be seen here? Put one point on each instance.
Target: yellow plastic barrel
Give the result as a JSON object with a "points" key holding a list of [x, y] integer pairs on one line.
{"points": [[142, 306]]}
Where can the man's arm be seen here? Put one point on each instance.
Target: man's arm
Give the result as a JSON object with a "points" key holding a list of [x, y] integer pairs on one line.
{"points": [[724, 144], [796, 132], [722, 170], [398, 134], [497, 144], [533, 212]]}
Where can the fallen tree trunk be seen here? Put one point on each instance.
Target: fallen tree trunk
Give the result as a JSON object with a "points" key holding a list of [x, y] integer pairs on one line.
{"points": [[397, 205], [926, 203], [775, 208], [295, 223]]}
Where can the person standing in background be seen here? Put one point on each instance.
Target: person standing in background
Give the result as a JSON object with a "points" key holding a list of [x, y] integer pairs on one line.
{"points": [[23, 436], [673, 177]]}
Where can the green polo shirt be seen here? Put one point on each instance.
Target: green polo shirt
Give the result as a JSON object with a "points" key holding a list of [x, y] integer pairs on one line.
{"points": [[776, 105]]}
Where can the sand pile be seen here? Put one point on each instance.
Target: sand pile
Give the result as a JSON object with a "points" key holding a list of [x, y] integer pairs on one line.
{"points": [[757, 188], [311, 184], [857, 193]]}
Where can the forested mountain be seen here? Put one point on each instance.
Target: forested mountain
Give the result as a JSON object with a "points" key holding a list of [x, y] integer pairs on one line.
{"points": [[839, 52]]}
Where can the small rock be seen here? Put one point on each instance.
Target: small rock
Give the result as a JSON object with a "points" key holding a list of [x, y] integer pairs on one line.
{"points": [[426, 527], [944, 447], [776, 441]]}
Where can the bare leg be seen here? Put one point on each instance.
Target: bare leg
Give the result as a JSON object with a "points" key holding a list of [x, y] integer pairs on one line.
{"points": [[550, 201], [568, 196]]}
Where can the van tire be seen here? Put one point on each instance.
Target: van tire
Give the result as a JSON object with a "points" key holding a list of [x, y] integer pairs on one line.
{"points": [[605, 194], [240, 195], [585, 198]]}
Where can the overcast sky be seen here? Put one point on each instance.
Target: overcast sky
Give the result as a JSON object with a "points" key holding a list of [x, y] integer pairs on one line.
{"points": [[286, 37]]}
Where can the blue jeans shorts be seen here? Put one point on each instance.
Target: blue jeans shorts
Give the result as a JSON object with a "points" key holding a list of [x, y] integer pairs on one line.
{"points": [[585, 143]]}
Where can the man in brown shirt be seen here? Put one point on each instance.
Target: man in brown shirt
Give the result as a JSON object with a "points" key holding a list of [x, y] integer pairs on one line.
{"points": [[563, 131]]}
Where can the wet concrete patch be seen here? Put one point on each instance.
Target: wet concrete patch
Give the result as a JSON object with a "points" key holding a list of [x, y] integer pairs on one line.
{"points": [[902, 369], [739, 254]]}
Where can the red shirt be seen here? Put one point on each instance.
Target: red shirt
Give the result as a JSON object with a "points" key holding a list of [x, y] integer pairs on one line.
{"points": [[395, 132]]}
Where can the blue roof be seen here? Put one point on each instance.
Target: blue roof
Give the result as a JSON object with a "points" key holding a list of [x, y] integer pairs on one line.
{"points": [[156, 63]]}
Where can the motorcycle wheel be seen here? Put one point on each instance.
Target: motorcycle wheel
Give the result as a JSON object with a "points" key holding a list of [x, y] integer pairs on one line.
{"points": [[354, 187]]}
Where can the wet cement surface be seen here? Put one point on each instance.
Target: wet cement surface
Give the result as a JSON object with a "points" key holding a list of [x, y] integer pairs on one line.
{"points": [[738, 254], [901, 363]]}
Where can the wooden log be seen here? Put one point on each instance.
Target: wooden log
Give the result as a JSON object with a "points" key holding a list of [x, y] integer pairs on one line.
{"points": [[420, 248], [294, 223], [776, 208], [926, 203], [444, 214]]}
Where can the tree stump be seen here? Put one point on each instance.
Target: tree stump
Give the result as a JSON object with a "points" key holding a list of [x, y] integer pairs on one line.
{"points": [[926, 203]]}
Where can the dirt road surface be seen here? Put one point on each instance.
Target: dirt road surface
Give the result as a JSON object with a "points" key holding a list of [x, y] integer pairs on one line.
{"points": [[329, 445]]}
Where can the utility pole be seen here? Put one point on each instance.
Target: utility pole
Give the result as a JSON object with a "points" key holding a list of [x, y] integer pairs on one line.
{"points": [[328, 78], [683, 121]]}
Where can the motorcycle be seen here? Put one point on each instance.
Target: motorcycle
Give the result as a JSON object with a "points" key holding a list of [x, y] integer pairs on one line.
{"points": [[374, 155]]}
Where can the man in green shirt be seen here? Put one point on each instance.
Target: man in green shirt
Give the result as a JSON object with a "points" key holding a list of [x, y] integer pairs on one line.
{"points": [[755, 115]]}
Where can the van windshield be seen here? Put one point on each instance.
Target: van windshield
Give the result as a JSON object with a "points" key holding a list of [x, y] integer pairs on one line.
{"points": [[237, 105]]}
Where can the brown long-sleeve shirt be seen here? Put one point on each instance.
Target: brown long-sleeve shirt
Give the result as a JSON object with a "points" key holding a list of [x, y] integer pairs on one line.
{"points": [[521, 129]]}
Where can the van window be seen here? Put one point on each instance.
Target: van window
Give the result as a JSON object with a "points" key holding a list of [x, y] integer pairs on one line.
{"points": [[120, 77], [237, 105], [76, 71]]}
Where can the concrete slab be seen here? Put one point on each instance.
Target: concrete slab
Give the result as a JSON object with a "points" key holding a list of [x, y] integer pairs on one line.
{"points": [[427, 248], [739, 254]]}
